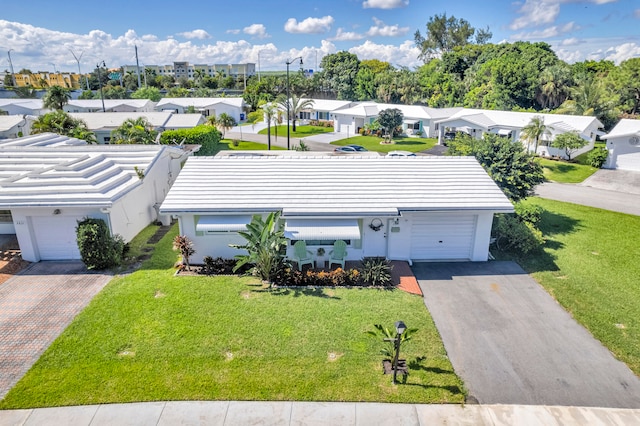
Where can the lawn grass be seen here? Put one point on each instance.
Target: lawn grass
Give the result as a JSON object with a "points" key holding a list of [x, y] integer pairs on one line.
{"points": [[152, 336], [565, 172], [590, 265], [301, 131], [372, 143], [227, 145]]}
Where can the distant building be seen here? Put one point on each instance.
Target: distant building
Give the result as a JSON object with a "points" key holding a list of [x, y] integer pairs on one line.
{"points": [[43, 79], [184, 69]]}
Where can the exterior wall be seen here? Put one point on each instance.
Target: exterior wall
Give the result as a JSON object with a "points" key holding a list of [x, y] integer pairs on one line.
{"points": [[12, 133], [214, 245], [620, 147], [103, 136]]}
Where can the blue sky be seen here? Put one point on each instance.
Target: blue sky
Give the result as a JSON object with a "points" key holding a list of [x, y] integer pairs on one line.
{"points": [[41, 33]]}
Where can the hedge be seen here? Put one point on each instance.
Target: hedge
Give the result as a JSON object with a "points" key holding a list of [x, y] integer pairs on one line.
{"points": [[206, 136]]}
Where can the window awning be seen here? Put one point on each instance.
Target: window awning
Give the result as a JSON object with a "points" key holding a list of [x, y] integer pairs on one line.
{"points": [[322, 229], [411, 121], [504, 132], [222, 223]]}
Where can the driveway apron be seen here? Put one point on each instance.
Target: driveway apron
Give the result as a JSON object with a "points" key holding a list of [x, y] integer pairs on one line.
{"points": [[512, 343], [35, 307]]}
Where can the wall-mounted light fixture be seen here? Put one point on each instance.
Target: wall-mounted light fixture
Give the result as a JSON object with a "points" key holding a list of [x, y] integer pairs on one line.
{"points": [[57, 211]]}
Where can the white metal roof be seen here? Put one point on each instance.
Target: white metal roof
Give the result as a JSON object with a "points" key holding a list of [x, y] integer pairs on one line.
{"points": [[625, 127], [199, 102], [184, 121], [90, 175], [7, 122], [42, 139], [327, 104], [112, 120], [34, 104], [108, 103], [332, 185]]}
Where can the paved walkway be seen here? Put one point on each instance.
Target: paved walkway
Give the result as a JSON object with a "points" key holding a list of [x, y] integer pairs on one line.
{"points": [[35, 307], [241, 413], [512, 343]]}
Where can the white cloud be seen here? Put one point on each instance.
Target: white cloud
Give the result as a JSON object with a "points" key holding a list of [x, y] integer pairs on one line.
{"points": [[383, 30], [256, 30], [309, 25], [542, 12], [342, 35], [384, 4], [406, 54], [233, 31], [549, 32], [611, 49], [197, 34], [572, 41]]}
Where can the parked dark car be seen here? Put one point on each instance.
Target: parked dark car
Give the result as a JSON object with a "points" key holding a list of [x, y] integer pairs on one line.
{"points": [[351, 148]]}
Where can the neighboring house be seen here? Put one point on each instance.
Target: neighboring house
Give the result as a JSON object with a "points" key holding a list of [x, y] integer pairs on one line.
{"points": [[235, 107], [42, 139], [404, 208], [321, 109], [623, 143], [103, 123], [14, 126], [477, 122], [49, 189], [110, 105], [15, 106]]}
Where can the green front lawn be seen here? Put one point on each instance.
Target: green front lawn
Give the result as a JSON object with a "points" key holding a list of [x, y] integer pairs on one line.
{"points": [[590, 265], [565, 172], [301, 131], [372, 143], [152, 336], [227, 145]]}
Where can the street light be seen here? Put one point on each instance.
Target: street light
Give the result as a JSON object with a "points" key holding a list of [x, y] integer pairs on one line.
{"points": [[289, 98], [100, 84], [400, 329], [54, 68], [77, 58], [13, 76]]}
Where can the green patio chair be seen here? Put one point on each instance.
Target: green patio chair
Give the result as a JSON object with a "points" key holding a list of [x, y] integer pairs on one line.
{"points": [[338, 254], [301, 255]]}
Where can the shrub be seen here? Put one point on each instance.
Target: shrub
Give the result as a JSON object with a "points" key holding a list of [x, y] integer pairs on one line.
{"points": [[513, 234], [217, 266], [184, 245], [98, 249], [528, 213], [207, 137], [302, 147], [337, 277], [235, 142], [597, 157], [376, 271]]}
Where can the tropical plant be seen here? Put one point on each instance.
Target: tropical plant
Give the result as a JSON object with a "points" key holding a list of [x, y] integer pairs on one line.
{"points": [[302, 147], [184, 245], [388, 338], [206, 136], [376, 271], [535, 130], [225, 122], [597, 157], [270, 111], [61, 123], [151, 93], [265, 247], [570, 142], [389, 119], [134, 131], [296, 104], [56, 97], [554, 85], [514, 234]]}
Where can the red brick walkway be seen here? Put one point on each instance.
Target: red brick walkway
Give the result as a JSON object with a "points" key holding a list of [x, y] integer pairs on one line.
{"points": [[404, 278], [35, 307]]}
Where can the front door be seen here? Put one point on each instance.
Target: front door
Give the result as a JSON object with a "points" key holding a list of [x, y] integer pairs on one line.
{"points": [[375, 243]]}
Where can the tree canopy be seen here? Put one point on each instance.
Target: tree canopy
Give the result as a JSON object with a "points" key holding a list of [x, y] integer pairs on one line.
{"points": [[389, 119], [444, 33], [134, 131], [56, 97], [61, 123]]}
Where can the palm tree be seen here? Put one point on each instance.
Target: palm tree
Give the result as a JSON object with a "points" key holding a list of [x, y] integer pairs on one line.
{"points": [[56, 98], [535, 130], [554, 86], [134, 131], [270, 111], [295, 107], [225, 122], [61, 123]]}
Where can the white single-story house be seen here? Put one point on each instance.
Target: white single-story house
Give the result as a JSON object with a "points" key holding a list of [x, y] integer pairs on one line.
{"points": [[103, 123], [402, 208], [110, 105], [321, 109], [623, 143], [42, 139], [14, 126], [477, 122], [15, 106], [235, 107], [49, 189]]}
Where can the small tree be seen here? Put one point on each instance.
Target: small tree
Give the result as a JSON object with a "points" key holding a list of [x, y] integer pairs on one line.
{"points": [[134, 131], [98, 249], [225, 122], [570, 142], [184, 245], [535, 130], [56, 98], [389, 119], [296, 105], [265, 246], [151, 93], [61, 123]]}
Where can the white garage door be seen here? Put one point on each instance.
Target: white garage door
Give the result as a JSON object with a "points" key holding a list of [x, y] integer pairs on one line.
{"points": [[630, 161], [442, 236], [56, 237]]}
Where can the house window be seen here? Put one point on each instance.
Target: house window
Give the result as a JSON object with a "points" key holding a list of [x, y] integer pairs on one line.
{"points": [[305, 115], [107, 139], [323, 115], [416, 126]]}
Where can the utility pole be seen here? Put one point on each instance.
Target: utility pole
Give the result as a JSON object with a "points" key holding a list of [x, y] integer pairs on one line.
{"points": [[77, 58], [137, 66], [13, 76], [289, 99]]}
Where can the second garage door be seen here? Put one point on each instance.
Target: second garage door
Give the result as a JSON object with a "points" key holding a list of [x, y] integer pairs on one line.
{"points": [[442, 236], [56, 237]]}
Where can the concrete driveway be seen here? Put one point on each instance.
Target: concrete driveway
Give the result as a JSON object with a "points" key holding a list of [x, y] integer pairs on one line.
{"points": [[35, 307], [512, 343], [614, 180]]}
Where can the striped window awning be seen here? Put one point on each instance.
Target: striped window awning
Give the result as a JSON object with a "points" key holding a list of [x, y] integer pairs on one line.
{"points": [[222, 223], [322, 229]]}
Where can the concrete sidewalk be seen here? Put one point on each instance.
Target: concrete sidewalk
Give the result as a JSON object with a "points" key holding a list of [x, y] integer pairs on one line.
{"points": [[316, 413], [281, 141], [622, 202]]}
